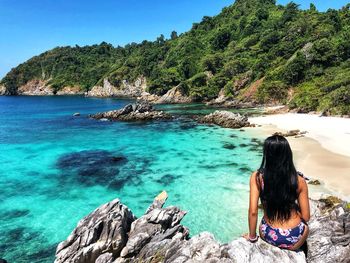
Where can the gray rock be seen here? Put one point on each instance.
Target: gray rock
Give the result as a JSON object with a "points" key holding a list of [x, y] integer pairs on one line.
{"points": [[126, 89], [3, 90], [140, 111], [103, 231], [174, 95], [111, 234], [226, 119]]}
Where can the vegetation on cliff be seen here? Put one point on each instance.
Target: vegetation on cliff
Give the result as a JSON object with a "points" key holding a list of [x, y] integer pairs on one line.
{"points": [[303, 57]]}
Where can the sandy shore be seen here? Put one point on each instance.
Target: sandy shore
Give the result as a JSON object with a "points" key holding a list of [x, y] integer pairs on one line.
{"points": [[323, 154]]}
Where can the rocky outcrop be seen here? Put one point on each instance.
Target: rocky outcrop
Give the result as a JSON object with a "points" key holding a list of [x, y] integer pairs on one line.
{"points": [[226, 119], [223, 101], [3, 90], [129, 90], [75, 90], [103, 231], [139, 111], [112, 234], [35, 88], [174, 95], [294, 133]]}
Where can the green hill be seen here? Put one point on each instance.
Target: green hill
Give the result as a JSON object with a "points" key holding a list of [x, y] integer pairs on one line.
{"points": [[300, 57]]}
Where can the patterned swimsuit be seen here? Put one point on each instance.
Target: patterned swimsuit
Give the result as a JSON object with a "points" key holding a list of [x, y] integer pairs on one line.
{"points": [[282, 238]]}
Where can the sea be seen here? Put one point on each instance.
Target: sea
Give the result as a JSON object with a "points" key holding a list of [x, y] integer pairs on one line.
{"points": [[55, 168]]}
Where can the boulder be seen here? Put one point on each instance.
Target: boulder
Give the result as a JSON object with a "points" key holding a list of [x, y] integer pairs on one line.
{"points": [[103, 231], [295, 133], [140, 111], [111, 234], [226, 119], [314, 182]]}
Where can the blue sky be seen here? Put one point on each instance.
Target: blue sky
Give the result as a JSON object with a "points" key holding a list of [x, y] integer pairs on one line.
{"points": [[29, 27]]}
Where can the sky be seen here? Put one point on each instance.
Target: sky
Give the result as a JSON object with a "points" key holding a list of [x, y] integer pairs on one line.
{"points": [[30, 27]]}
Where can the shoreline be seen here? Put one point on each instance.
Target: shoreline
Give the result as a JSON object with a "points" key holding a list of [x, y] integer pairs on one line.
{"points": [[321, 154]]}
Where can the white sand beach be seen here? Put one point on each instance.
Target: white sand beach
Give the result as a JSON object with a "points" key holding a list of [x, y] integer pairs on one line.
{"points": [[324, 152]]}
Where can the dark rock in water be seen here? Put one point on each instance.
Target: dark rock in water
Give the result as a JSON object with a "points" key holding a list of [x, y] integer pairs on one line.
{"points": [[226, 119], [229, 146], [91, 167], [244, 169], [140, 111], [314, 182], [8, 215], [3, 260], [111, 234]]}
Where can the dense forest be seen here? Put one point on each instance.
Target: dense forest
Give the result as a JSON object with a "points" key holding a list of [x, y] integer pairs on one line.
{"points": [[292, 56]]}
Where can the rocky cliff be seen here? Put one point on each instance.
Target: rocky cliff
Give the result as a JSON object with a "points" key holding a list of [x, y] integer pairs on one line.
{"points": [[3, 90], [35, 87], [113, 234], [129, 90]]}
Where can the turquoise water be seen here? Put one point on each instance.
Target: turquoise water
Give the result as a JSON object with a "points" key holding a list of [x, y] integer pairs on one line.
{"points": [[56, 168]]}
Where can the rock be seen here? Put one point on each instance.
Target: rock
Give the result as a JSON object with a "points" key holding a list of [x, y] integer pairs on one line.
{"points": [[103, 231], [331, 201], [226, 119], [174, 95], [158, 236], [129, 90], [3, 91], [68, 90], [314, 182], [3, 260], [141, 111], [35, 87], [76, 114], [242, 81], [295, 133]]}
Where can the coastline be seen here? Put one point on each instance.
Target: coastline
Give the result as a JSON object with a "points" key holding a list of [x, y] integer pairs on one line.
{"points": [[322, 154]]}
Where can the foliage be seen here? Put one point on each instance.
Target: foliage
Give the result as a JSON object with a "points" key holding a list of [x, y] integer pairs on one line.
{"points": [[306, 51]]}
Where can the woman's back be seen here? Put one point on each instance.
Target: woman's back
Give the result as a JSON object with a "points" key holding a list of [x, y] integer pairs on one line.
{"points": [[284, 196], [295, 214]]}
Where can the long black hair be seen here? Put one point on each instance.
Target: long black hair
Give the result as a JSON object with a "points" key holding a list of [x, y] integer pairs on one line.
{"points": [[280, 179]]}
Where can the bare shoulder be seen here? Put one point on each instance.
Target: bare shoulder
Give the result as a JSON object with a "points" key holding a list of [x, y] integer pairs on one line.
{"points": [[302, 185]]}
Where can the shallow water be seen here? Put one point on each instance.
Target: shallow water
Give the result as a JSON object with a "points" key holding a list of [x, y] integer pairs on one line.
{"points": [[56, 168]]}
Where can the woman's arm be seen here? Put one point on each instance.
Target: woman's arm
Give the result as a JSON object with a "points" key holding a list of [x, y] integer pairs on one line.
{"points": [[303, 199], [253, 205]]}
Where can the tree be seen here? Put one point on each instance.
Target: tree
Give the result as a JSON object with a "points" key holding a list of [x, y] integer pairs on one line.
{"points": [[221, 39], [173, 35], [290, 12], [313, 7], [294, 71]]}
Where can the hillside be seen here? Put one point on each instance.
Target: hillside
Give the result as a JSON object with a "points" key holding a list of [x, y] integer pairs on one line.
{"points": [[253, 50]]}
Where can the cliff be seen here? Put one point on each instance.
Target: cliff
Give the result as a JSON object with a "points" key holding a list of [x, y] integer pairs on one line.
{"points": [[129, 90], [112, 233]]}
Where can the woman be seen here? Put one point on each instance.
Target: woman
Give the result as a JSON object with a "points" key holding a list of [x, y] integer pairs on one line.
{"points": [[284, 196]]}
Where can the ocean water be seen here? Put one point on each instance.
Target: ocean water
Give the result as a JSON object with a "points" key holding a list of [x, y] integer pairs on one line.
{"points": [[56, 168]]}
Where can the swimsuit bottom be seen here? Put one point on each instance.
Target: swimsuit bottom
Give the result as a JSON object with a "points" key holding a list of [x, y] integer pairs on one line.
{"points": [[282, 238]]}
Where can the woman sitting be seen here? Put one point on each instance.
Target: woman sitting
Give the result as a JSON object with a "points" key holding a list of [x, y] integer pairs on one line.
{"points": [[284, 196]]}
